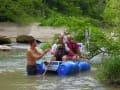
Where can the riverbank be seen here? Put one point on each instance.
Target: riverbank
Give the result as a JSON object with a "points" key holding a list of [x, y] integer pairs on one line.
{"points": [[41, 33]]}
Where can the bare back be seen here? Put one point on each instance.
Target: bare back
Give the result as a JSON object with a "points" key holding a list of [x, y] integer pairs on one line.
{"points": [[30, 59]]}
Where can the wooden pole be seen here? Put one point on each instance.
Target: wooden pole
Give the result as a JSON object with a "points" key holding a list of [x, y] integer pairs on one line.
{"points": [[85, 45], [47, 68]]}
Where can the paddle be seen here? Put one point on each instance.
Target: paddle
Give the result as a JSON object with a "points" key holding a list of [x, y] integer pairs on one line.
{"points": [[50, 60], [46, 68]]}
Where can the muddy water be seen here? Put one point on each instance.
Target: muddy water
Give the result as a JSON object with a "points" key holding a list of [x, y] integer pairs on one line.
{"points": [[13, 75]]}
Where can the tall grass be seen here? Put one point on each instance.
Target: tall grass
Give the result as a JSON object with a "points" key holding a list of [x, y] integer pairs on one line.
{"points": [[111, 68]]}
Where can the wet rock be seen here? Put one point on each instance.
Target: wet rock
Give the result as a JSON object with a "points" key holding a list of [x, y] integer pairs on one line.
{"points": [[4, 40], [38, 41], [118, 82], [24, 39], [4, 48], [98, 58]]}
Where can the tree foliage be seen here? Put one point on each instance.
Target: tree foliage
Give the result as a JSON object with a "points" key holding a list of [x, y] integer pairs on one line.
{"points": [[10, 10], [110, 69], [112, 12], [14, 10]]}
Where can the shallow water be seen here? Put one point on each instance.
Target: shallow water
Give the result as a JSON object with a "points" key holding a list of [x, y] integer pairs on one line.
{"points": [[13, 75]]}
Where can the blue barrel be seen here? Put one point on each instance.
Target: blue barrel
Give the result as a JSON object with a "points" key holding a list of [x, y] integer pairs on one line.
{"points": [[67, 68], [40, 67], [84, 66]]}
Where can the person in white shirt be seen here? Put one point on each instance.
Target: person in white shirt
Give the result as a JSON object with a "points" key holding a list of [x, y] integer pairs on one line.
{"points": [[60, 50]]}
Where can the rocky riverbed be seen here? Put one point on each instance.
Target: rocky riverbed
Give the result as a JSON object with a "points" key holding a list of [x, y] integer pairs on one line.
{"points": [[41, 33]]}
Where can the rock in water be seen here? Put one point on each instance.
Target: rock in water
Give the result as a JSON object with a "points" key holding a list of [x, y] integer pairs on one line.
{"points": [[4, 48], [24, 39], [4, 40]]}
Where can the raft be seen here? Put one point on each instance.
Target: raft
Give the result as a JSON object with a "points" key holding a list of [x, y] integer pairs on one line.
{"points": [[63, 68]]}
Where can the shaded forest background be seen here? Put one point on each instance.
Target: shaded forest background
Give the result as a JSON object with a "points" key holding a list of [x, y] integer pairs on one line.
{"points": [[10, 10]]}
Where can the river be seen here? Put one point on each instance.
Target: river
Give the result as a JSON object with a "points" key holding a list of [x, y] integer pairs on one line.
{"points": [[13, 75]]}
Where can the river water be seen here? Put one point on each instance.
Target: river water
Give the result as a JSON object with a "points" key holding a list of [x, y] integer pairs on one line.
{"points": [[13, 75]]}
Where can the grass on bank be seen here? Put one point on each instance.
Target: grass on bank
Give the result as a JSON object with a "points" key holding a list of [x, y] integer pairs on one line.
{"points": [[110, 69]]}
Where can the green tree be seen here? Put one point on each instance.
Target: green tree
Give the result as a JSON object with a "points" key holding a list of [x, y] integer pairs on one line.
{"points": [[112, 12], [93, 8]]}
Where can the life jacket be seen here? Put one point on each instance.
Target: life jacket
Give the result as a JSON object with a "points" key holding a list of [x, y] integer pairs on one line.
{"points": [[74, 47], [61, 49]]}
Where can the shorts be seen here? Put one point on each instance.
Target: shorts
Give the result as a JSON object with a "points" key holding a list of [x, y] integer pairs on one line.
{"points": [[59, 57], [31, 70]]}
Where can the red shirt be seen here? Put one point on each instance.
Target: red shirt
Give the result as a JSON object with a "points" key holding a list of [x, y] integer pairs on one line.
{"points": [[70, 47]]}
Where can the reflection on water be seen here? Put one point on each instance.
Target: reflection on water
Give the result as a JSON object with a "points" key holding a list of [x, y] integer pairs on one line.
{"points": [[13, 75]]}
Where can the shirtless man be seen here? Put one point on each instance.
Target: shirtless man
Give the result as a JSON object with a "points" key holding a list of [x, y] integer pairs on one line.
{"points": [[32, 56]]}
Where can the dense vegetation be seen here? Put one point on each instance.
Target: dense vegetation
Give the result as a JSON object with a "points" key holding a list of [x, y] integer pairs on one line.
{"points": [[10, 10], [110, 70], [98, 18]]}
